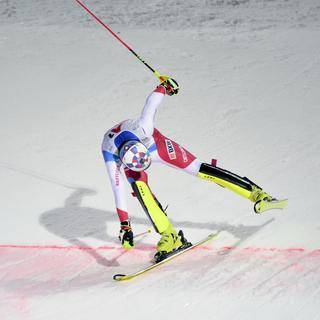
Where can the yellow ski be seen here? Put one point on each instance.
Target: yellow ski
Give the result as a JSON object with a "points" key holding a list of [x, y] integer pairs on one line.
{"points": [[123, 277], [264, 205]]}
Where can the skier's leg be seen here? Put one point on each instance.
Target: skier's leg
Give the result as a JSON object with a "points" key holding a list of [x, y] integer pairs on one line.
{"points": [[154, 211], [150, 204], [240, 185], [171, 153], [133, 176]]}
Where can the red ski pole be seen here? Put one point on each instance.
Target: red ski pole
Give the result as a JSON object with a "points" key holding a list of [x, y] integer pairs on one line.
{"points": [[156, 73]]}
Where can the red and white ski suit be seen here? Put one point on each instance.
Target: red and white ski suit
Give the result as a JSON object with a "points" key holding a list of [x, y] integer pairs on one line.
{"points": [[161, 148]]}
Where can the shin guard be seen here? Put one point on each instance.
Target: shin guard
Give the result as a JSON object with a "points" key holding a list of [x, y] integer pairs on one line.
{"points": [[240, 185], [151, 206]]}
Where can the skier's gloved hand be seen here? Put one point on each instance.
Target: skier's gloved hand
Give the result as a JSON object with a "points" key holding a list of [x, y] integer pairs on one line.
{"points": [[126, 235], [171, 86]]}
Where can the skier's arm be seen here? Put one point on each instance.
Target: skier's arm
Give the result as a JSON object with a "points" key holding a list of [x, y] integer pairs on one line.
{"points": [[146, 120], [117, 183], [118, 189]]}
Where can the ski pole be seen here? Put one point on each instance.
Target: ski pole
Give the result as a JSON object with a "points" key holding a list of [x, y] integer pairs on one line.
{"points": [[142, 233], [156, 73]]}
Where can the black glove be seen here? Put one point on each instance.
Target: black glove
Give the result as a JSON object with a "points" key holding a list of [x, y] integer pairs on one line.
{"points": [[126, 235], [171, 86]]}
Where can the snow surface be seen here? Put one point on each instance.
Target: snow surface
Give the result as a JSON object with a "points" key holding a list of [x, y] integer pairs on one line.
{"points": [[249, 72]]}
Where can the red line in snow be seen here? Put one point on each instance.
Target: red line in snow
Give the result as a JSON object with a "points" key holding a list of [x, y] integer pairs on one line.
{"points": [[56, 247], [314, 252], [257, 249]]}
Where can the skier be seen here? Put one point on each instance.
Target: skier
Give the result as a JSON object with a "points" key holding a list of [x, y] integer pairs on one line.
{"points": [[132, 144]]}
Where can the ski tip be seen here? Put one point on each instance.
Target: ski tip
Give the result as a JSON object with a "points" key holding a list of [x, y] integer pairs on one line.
{"points": [[213, 236], [262, 206], [118, 277]]}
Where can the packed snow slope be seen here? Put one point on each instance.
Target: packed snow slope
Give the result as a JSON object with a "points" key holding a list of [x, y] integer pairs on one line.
{"points": [[249, 72]]}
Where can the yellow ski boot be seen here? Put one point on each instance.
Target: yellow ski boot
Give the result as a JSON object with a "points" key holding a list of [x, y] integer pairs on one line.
{"points": [[263, 201], [257, 194], [170, 241]]}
